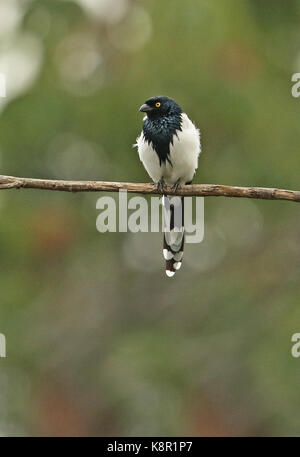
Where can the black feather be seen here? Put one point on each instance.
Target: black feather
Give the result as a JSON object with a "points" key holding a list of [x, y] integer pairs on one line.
{"points": [[161, 124]]}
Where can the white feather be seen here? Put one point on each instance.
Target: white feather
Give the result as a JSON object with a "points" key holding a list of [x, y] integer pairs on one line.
{"points": [[149, 158], [170, 273], [168, 255], [183, 154]]}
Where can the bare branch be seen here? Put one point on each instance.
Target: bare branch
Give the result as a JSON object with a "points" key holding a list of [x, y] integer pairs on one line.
{"points": [[204, 190]]}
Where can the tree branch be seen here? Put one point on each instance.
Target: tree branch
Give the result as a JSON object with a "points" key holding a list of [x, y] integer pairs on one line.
{"points": [[204, 190]]}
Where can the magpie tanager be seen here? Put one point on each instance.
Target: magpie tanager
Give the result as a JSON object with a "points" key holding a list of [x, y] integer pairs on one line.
{"points": [[169, 146]]}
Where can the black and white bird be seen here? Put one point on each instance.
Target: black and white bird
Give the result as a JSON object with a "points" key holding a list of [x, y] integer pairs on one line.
{"points": [[168, 147]]}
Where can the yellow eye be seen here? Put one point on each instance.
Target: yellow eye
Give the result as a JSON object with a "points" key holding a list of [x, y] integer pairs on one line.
{"points": [[157, 104]]}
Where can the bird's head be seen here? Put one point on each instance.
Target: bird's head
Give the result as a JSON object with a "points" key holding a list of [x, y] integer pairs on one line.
{"points": [[157, 107]]}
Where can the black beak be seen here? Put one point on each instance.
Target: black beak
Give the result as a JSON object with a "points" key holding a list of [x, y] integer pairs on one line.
{"points": [[145, 108]]}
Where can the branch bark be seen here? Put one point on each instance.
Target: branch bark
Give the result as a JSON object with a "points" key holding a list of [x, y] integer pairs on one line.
{"points": [[203, 190]]}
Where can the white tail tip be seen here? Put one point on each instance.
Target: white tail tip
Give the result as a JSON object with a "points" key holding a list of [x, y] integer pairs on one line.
{"points": [[170, 273], [168, 255]]}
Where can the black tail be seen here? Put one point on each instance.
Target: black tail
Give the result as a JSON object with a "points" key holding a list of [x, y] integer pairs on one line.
{"points": [[173, 244]]}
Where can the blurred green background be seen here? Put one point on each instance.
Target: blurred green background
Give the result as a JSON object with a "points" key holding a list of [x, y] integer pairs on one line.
{"points": [[99, 340]]}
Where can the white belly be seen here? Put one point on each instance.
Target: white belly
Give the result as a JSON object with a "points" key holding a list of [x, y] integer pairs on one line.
{"points": [[183, 155]]}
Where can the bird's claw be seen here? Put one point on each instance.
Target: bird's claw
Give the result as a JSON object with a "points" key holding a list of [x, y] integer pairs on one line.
{"points": [[177, 185], [161, 185]]}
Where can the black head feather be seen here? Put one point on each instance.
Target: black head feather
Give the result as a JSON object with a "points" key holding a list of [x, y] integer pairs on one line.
{"points": [[161, 124]]}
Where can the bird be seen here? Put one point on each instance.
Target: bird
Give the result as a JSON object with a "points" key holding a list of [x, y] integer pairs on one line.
{"points": [[168, 147]]}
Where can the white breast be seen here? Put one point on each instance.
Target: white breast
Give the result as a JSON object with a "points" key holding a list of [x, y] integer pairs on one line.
{"points": [[183, 155], [149, 158]]}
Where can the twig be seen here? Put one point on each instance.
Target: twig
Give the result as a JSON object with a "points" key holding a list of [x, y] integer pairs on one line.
{"points": [[204, 190]]}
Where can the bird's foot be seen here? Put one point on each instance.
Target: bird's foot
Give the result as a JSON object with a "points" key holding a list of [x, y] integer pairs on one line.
{"points": [[177, 185], [161, 185]]}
